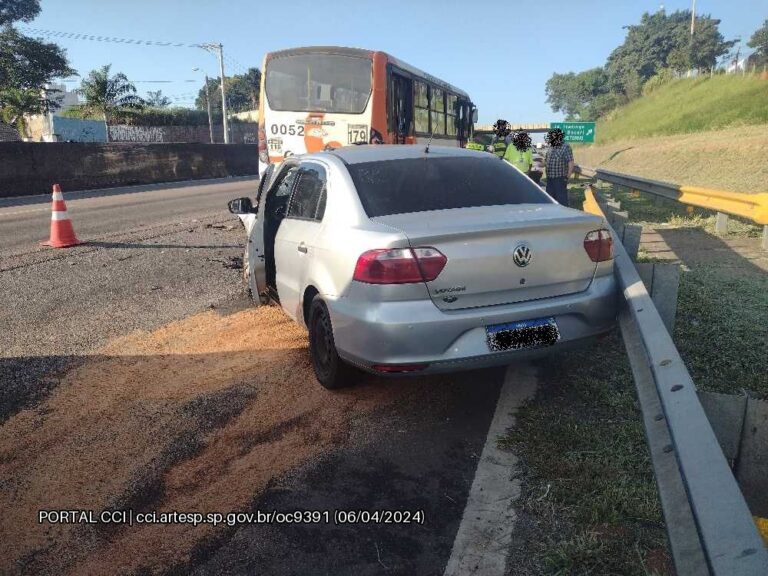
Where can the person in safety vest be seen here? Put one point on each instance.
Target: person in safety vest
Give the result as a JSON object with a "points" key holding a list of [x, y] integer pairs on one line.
{"points": [[473, 144], [502, 129], [520, 154]]}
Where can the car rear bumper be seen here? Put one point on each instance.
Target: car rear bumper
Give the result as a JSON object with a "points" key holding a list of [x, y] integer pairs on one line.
{"points": [[417, 332]]}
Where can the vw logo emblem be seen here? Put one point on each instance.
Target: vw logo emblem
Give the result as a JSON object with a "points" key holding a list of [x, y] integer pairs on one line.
{"points": [[522, 255]]}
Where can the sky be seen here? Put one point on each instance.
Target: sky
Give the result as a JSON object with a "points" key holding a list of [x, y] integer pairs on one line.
{"points": [[501, 52]]}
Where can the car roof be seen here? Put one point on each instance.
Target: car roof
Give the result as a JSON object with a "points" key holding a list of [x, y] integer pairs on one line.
{"points": [[381, 152]]}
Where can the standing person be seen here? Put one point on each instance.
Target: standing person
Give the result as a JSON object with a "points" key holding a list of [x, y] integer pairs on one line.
{"points": [[502, 130], [559, 166], [519, 154]]}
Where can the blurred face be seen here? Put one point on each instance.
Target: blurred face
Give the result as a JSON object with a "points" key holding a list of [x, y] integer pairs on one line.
{"points": [[555, 137], [521, 141]]}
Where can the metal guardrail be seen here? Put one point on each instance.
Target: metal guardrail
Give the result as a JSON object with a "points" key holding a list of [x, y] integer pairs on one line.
{"points": [[753, 207], [709, 525]]}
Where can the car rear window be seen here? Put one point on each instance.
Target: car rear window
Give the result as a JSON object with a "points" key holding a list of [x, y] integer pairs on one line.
{"points": [[440, 183]]}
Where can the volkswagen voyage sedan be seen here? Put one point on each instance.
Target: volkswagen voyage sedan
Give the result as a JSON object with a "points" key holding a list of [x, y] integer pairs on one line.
{"points": [[402, 260]]}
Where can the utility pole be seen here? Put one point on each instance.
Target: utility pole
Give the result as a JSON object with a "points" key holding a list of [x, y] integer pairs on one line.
{"points": [[693, 29], [220, 49], [693, 17], [208, 104]]}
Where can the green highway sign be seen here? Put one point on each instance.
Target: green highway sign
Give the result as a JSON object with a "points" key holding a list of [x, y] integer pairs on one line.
{"points": [[576, 131]]}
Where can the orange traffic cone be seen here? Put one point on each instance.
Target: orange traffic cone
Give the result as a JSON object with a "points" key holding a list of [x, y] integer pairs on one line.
{"points": [[62, 233]]}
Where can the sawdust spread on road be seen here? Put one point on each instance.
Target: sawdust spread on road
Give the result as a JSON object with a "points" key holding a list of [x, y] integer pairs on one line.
{"points": [[197, 416]]}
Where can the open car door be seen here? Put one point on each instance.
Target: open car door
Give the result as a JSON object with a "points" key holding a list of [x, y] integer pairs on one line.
{"points": [[254, 265]]}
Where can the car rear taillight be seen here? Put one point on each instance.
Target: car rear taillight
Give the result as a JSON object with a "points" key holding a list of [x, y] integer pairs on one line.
{"points": [[399, 265], [599, 245]]}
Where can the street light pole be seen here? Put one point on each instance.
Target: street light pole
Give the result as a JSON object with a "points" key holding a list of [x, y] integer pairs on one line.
{"points": [[220, 49], [207, 104], [223, 95]]}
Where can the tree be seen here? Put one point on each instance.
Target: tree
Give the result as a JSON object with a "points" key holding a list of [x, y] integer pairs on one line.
{"points": [[14, 10], [252, 79], [15, 103], [759, 41], [157, 100], [562, 94], [582, 96], [242, 92], [29, 63], [104, 93], [660, 41], [26, 65]]}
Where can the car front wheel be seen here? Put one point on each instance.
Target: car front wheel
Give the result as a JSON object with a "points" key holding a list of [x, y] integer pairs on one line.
{"points": [[331, 371]]}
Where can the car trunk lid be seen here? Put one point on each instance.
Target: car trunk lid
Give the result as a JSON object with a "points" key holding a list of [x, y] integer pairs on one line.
{"points": [[480, 245]]}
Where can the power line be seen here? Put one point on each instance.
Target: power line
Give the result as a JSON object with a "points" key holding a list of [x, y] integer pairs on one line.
{"points": [[80, 36], [234, 65]]}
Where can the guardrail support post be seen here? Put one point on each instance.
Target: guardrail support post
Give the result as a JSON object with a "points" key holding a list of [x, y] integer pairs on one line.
{"points": [[752, 464], [619, 221], [662, 282], [631, 240], [765, 237], [721, 223]]}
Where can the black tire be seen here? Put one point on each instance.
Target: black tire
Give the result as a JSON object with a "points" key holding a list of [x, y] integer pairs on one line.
{"points": [[330, 370]]}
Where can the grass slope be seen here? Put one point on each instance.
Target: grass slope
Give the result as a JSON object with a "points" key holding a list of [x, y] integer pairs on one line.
{"points": [[690, 105], [710, 132]]}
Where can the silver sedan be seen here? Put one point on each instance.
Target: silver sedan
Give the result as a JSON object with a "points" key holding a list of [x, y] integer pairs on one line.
{"points": [[402, 260]]}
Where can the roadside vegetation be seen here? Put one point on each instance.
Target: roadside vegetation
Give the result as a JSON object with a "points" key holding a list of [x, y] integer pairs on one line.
{"points": [[722, 307], [589, 502], [678, 134], [690, 105], [675, 109]]}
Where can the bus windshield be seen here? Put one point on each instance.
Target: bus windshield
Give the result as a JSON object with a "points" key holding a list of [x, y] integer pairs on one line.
{"points": [[319, 83]]}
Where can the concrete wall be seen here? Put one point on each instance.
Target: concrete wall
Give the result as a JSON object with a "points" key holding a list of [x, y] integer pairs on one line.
{"points": [[8, 133], [241, 133], [52, 128], [32, 168], [39, 129], [75, 130]]}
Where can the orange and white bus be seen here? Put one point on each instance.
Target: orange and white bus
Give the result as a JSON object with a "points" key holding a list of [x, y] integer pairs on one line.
{"points": [[324, 97]]}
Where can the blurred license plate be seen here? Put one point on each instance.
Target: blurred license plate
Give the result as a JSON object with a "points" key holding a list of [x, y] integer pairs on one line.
{"points": [[522, 334]]}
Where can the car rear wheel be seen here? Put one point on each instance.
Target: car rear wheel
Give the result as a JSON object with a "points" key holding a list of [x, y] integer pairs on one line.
{"points": [[330, 370]]}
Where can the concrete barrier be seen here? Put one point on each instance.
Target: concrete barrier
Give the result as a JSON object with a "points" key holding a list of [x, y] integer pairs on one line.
{"points": [[28, 168]]}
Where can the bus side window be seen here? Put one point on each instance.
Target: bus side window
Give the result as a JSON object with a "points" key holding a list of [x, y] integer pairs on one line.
{"points": [[402, 101]]}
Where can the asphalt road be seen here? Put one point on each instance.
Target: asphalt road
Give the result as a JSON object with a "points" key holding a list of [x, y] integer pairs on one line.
{"points": [[24, 221], [136, 373]]}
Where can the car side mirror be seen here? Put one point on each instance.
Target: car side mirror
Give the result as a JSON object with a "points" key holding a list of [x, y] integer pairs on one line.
{"points": [[241, 206]]}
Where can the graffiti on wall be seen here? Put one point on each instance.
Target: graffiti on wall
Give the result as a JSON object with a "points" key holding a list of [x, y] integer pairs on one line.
{"points": [[241, 133], [144, 134]]}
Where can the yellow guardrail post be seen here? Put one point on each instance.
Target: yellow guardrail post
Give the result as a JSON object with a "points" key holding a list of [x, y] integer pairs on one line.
{"points": [[590, 203], [752, 207]]}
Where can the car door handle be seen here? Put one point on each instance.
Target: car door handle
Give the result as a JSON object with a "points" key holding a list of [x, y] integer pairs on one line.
{"points": [[302, 248]]}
